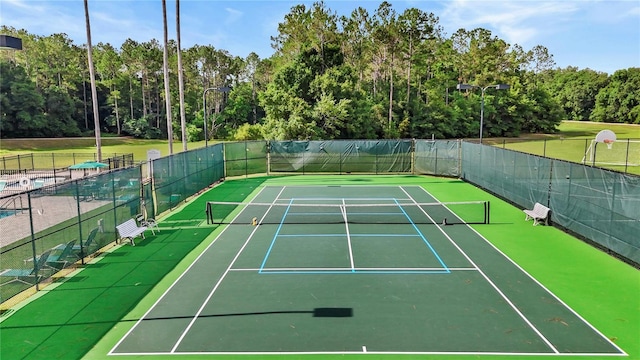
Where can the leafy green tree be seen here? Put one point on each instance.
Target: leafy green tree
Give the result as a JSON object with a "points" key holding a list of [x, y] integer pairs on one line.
{"points": [[59, 109], [109, 66], [238, 109], [248, 132], [21, 105], [619, 101], [378, 75], [575, 90]]}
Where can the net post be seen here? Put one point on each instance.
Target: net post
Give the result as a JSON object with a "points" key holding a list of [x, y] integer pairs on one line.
{"points": [[209, 213], [486, 212]]}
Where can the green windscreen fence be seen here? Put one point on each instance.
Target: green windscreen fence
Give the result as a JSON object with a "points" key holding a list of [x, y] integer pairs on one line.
{"points": [[179, 176], [341, 156], [245, 157], [600, 205], [437, 157], [49, 226]]}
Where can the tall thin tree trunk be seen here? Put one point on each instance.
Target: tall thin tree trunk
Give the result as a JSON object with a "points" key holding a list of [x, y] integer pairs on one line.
{"points": [[94, 92], [409, 71], [183, 116], [391, 96], [253, 99], [130, 98], [167, 91], [144, 98], [156, 91], [115, 103], [84, 101]]}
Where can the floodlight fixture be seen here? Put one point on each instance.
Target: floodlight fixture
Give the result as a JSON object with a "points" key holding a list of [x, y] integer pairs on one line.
{"points": [[464, 87], [470, 87], [8, 42]]}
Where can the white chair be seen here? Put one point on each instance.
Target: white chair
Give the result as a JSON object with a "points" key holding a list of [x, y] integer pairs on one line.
{"points": [[149, 223], [130, 230], [539, 213]]}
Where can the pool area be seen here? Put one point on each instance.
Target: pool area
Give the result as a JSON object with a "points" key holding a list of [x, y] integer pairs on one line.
{"points": [[8, 212]]}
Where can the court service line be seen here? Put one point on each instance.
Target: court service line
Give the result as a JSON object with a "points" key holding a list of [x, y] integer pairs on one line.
{"points": [[543, 287], [206, 301], [415, 227], [503, 295], [176, 281], [346, 225]]}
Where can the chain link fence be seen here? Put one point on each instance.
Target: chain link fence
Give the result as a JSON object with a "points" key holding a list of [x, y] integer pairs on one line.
{"points": [[56, 226]]}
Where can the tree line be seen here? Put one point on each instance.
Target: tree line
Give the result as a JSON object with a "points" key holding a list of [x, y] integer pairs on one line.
{"points": [[366, 75]]}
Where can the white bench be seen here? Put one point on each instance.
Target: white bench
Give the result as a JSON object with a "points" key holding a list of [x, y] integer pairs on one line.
{"points": [[539, 213], [129, 230]]}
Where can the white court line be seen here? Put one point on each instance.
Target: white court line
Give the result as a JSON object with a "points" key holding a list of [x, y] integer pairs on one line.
{"points": [[622, 353], [206, 301], [175, 282], [290, 353], [355, 268], [544, 287], [346, 225], [513, 306]]}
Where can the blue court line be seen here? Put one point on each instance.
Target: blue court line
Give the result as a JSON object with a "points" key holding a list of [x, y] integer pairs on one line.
{"points": [[314, 213], [445, 269], [275, 236], [352, 235], [424, 238]]}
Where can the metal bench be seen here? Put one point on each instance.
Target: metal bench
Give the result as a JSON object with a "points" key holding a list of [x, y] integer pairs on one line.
{"points": [[539, 213], [130, 230]]}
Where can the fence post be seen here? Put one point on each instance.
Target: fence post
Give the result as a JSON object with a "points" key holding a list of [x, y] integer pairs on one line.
{"points": [[82, 252], [33, 243], [626, 159], [413, 155], [435, 170]]}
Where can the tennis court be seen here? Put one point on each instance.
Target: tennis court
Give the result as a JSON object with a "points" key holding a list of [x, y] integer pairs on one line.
{"points": [[356, 269]]}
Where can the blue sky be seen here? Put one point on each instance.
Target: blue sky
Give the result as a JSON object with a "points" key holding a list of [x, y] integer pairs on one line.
{"points": [[602, 35]]}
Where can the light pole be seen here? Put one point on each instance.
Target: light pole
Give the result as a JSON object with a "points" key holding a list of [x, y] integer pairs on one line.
{"points": [[469, 87], [223, 89]]}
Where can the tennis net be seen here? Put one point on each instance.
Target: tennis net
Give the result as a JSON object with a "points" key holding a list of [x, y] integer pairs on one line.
{"points": [[351, 211]]}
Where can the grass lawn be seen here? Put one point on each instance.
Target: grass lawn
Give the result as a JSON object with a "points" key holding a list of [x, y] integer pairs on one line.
{"points": [[569, 143], [573, 139], [110, 145]]}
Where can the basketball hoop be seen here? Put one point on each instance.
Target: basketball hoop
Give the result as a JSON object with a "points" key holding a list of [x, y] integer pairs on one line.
{"points": [[609, 143]]}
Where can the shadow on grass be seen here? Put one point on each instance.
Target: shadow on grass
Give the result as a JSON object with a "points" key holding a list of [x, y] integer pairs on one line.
{"points": [[69, 319]]}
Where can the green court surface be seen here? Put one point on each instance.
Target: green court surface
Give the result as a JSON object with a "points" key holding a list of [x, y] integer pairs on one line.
{"points": [[340, 266]]}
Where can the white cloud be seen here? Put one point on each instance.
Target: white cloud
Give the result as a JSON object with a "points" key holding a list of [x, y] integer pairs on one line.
{"points": [[518, 22], [24, 5], [234, 15]]}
